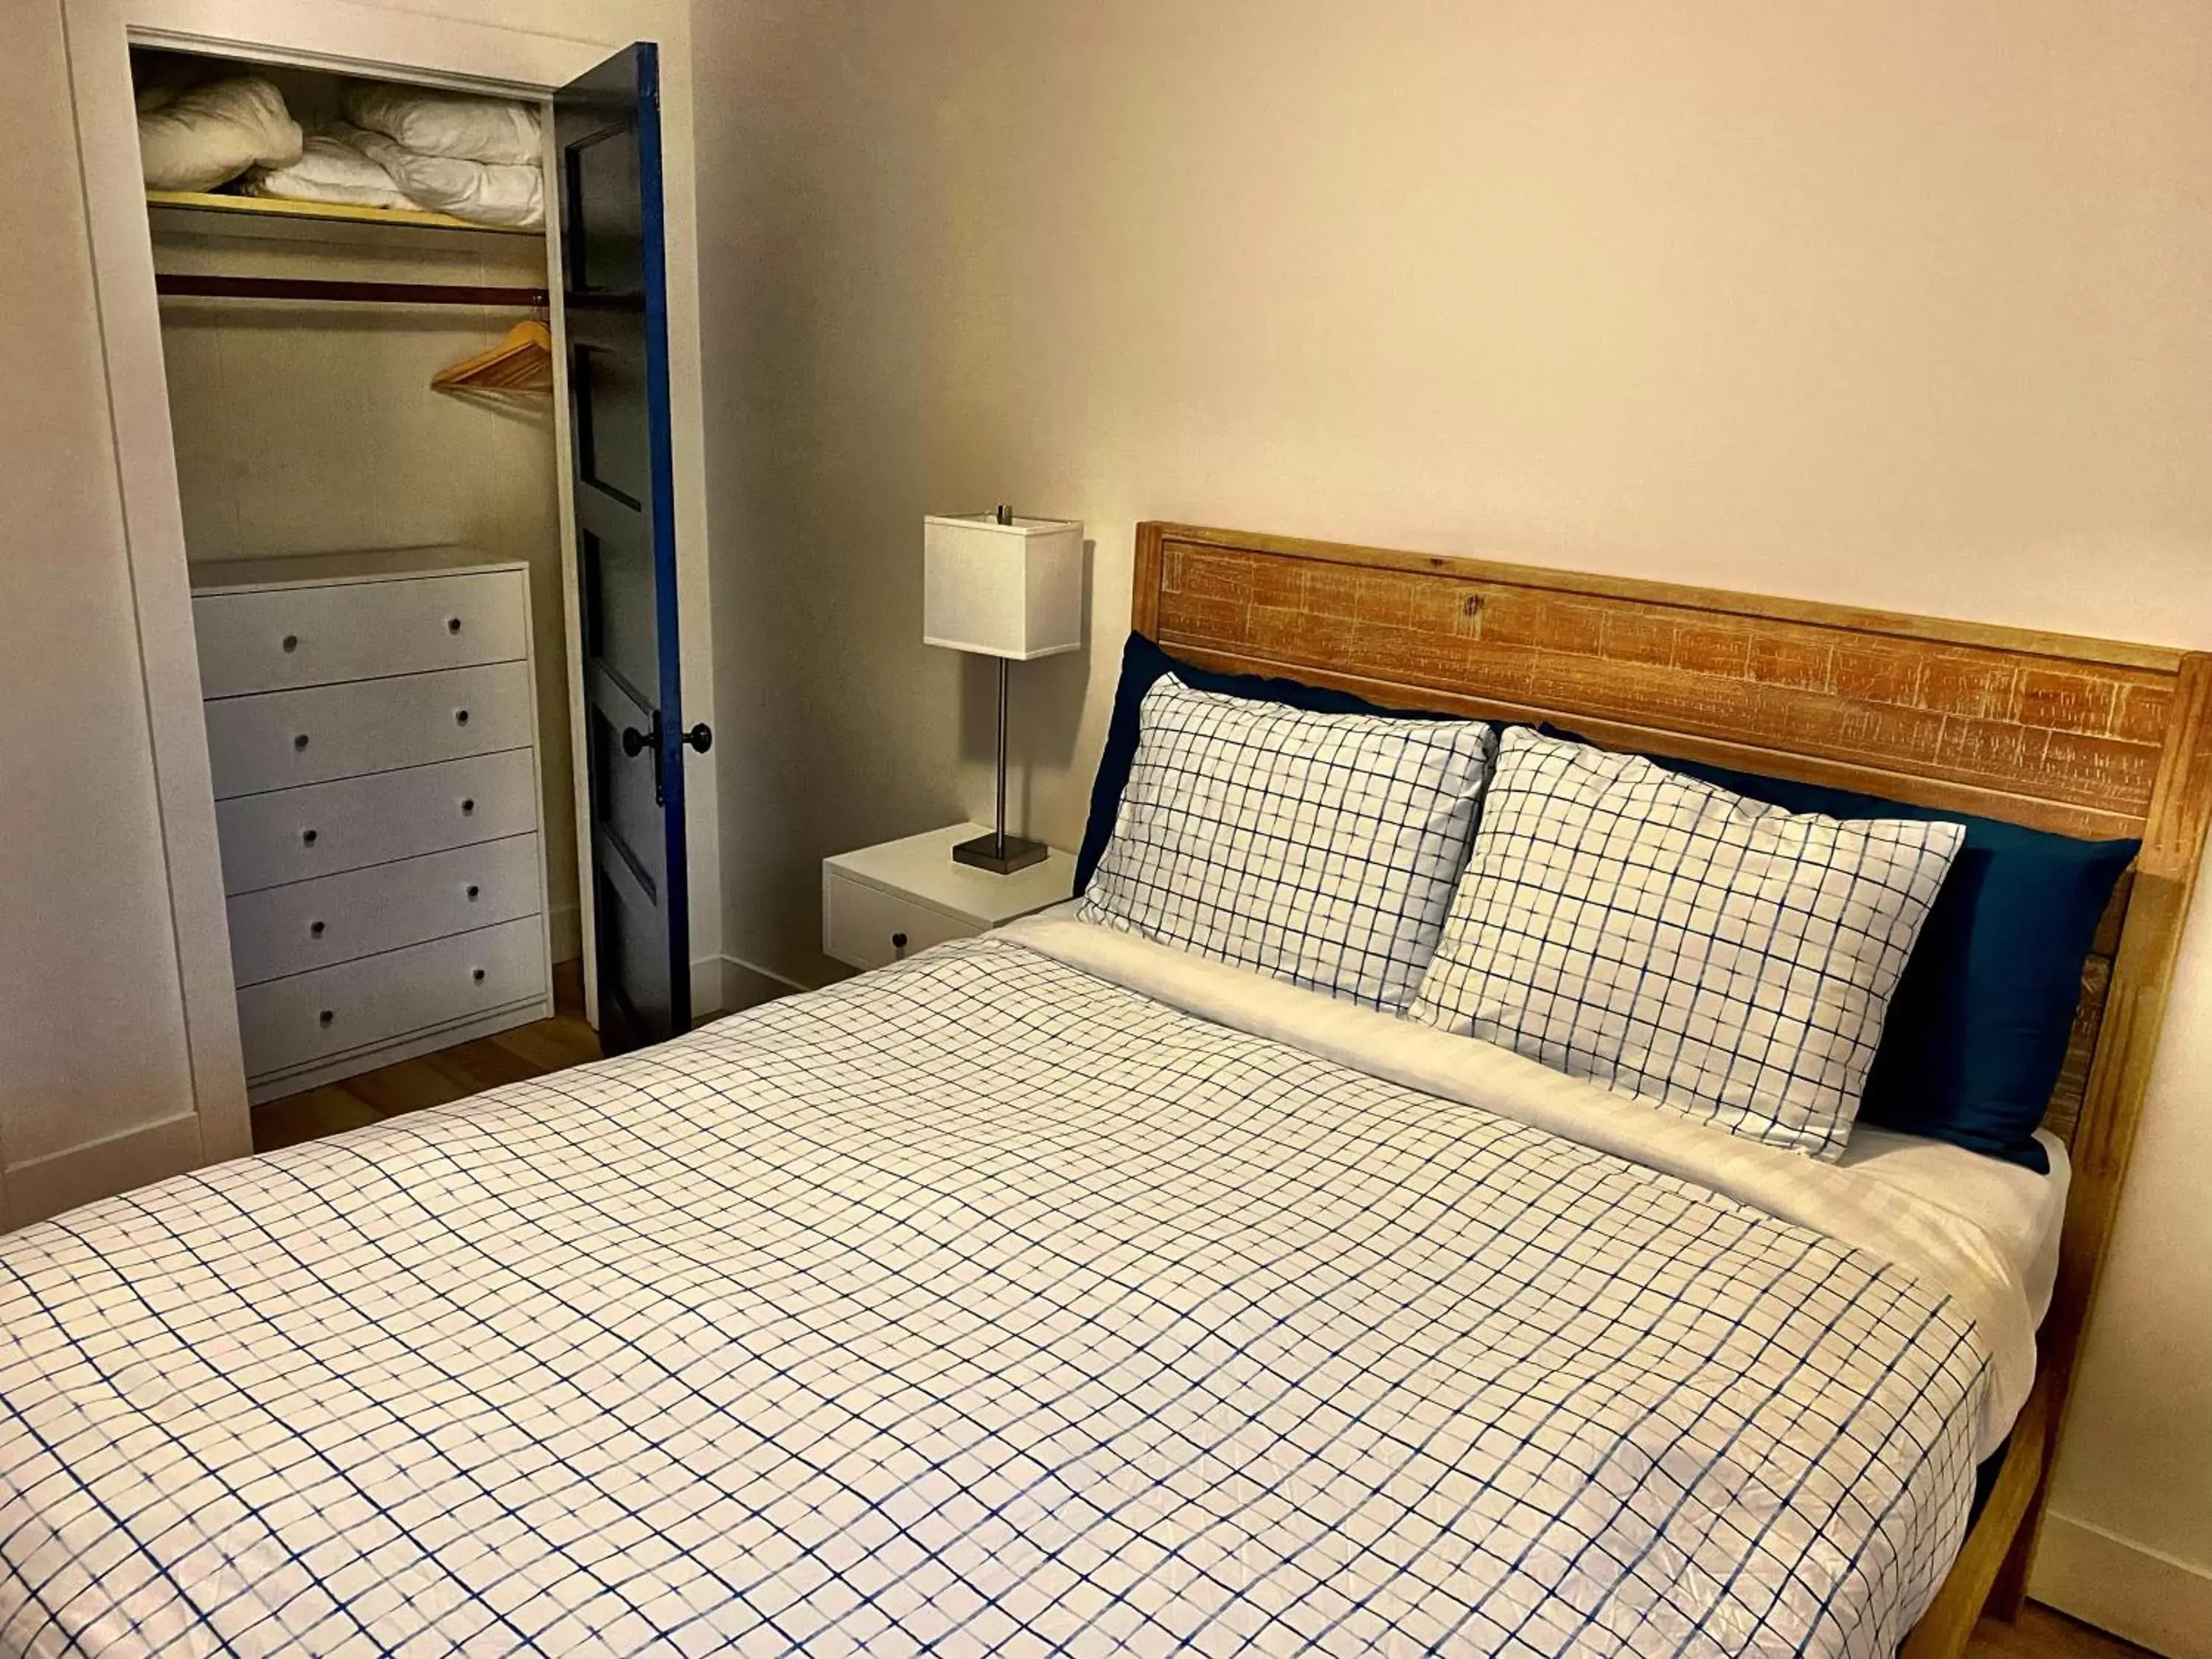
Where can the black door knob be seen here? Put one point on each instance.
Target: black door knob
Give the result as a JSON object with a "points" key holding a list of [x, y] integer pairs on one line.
{"points": [[699, 736], [633, 741]]}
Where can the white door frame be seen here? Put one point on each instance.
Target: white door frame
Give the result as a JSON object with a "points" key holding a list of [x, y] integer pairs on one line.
{"points": [[559, 41]]}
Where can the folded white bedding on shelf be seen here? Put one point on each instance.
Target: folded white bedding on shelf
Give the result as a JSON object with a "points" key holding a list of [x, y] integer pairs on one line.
{"points": [[401, 147], [493, 193], [328, 170], [1049, 1291]]}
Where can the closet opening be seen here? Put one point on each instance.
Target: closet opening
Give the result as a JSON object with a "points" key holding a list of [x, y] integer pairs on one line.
{"points": [[358, 330]]}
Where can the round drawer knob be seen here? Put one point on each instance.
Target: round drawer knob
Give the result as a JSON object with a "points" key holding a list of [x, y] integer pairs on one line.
{"points": [[314, 930], [300, 741], [898, 941], [325, 1017], [460, 717], [473, 890], [306, 838], [468, 805], [291, 642], [477, 974], [452, 624]]}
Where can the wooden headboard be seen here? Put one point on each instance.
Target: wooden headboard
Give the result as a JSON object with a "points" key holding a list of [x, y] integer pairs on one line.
{"points": [[2085, 737]]}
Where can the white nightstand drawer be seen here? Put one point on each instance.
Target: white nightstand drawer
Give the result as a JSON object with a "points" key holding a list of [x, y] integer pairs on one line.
{"points": [[864, 926], [279, 739], [277, 638], [313, 924], [914, 889]]}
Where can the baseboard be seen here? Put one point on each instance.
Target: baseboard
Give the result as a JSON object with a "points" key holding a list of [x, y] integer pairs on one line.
{"points": [[61, 1180], [565, 923], [2117, 1585], [707, 987], [746, 986]]}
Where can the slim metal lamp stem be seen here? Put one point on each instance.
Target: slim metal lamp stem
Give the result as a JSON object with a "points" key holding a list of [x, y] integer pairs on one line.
{"points": [[998, 824]]}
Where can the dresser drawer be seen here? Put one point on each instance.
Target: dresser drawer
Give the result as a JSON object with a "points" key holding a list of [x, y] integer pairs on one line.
{"points": [[313, 924], [284, 1024], [279, 739], [279, 638], [864, 926], [295, 835]]}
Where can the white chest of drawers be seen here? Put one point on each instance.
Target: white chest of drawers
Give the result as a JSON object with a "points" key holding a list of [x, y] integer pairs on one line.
{"points": [[373, 736]]}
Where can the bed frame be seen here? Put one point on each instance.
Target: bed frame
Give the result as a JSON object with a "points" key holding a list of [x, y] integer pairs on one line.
{"points": [[2084, 736]]}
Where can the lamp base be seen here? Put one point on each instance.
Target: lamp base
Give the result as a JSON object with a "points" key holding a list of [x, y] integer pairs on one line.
{"points": [[1000, 858]]}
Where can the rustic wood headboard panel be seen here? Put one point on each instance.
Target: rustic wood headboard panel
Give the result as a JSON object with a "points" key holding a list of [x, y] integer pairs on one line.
{"points": [[2084, 736]]}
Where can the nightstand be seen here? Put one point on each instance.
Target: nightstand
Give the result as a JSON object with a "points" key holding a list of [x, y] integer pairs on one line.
{"points": [[883, 902]]}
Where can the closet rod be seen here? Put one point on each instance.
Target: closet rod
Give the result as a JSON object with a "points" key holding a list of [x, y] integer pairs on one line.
{"points": [[297, 288]]}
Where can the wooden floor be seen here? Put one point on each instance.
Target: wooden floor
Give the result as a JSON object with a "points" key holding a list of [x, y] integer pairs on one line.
{"points": [[551, 1045], [2043, 1634], [455, 1074]]}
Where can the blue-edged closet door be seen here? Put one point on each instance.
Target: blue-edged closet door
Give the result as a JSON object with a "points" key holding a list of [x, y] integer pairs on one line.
{"points": [[613, 290]]}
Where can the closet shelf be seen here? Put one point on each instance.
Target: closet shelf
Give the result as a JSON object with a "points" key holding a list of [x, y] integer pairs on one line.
{"points": [[271, 207]]}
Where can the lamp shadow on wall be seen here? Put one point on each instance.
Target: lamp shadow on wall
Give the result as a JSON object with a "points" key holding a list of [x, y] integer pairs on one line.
{"points": [[1045, 712]]}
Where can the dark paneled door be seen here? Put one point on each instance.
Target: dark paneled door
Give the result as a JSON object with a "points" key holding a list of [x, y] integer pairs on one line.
{"points": [[614, 294]]}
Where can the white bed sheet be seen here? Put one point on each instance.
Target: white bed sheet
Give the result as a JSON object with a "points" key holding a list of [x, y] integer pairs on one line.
{"points": [[2021, 1212]]}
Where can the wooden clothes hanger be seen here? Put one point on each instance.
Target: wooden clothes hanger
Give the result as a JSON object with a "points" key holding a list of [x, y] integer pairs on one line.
{"points": [[523, 361]]}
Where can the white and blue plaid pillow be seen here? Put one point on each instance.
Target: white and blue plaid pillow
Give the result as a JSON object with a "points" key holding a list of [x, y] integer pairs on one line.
{"points": [[1323, 849], [1727, 959]]}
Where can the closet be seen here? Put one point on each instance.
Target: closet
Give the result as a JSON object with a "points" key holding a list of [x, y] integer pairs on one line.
{"points": [[361, 396]]}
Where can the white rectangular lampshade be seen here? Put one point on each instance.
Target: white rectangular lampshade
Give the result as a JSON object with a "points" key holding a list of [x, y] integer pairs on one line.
{"points": [[1002, 590]]}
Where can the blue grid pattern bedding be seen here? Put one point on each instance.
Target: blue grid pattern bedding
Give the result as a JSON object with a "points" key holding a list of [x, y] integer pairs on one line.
{"points": [[977, 1306], [1723, 958], [1321, 850]]}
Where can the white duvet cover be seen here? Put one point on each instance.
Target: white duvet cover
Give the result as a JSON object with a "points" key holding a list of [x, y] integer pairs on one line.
{"points": [[1047, 1292]]}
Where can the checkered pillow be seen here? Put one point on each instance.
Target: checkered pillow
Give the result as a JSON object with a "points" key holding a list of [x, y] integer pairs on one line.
{"points": [[1728, 960], [1320, 848]]}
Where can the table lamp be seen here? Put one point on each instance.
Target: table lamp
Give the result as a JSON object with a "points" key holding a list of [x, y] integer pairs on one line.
{"points": [[1012, 588]]}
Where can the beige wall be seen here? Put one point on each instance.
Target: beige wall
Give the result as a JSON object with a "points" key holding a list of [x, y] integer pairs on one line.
{"points": [[1861, 301], [304, 430]]}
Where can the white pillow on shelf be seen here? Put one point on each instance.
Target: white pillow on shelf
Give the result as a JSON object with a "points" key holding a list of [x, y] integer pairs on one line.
{"points": [[464, 125], [1723, 958], [1321, 850], [207, 134]]}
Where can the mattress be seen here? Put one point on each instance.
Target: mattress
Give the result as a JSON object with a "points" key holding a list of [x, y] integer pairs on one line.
{"points": [[1046, 1292]]}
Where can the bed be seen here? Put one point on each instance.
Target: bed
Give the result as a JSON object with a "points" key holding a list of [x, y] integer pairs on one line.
{"points": [[1061, 1292]]}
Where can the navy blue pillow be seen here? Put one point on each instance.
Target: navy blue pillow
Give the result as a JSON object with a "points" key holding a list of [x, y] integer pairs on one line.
{"points": [[1142, 663], [1978, 1027]]}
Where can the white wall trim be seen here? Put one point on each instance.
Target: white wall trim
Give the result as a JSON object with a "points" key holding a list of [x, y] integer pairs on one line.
{"points": [[564, 925], [2128, 1589], [747, 985], [724, 985], [113, 1164]]}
